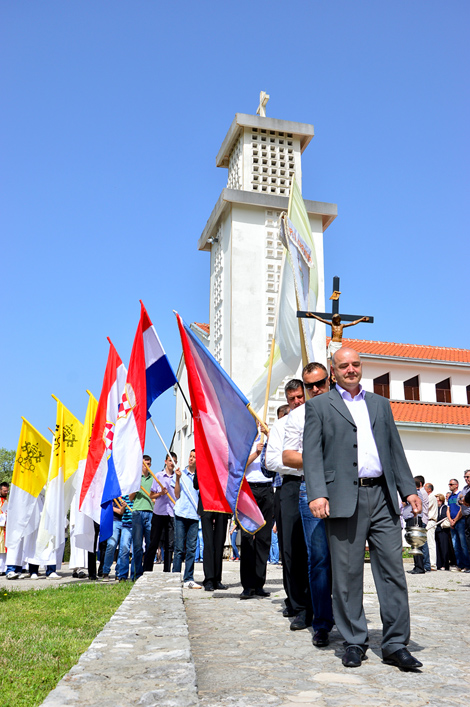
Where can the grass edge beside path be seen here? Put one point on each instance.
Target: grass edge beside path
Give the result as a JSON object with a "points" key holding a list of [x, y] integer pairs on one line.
{"points": [[45, 632]]}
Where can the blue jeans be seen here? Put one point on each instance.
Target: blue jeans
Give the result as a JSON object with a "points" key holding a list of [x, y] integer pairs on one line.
{"points": [[319, 568], [200, 544], [141, 527], [185, 533], [460, 544], [124, 550], [233, 540], [111, 548], [274, 551]]}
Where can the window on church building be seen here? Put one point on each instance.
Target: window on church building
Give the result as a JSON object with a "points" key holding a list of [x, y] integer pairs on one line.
{"points": [[382, 385], [468, 394], [412, 388], [443, 391]]}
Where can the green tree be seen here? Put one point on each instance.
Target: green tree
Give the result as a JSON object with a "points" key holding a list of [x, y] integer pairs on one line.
{"points": [[7, 459]]}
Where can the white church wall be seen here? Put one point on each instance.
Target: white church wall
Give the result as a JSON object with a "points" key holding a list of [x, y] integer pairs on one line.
{"points": [[438, 455], [429, 374]]}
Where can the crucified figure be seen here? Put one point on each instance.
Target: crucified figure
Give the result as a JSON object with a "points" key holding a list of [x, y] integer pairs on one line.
{"points": [[336, 330]]}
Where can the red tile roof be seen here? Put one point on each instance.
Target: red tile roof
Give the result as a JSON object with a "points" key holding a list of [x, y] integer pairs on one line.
{"points": [[430, 413], [204, 327], [418, 351]]}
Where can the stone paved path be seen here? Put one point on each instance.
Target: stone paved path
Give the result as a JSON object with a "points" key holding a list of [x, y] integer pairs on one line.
{"points": [[246, 656], [172, 647]]}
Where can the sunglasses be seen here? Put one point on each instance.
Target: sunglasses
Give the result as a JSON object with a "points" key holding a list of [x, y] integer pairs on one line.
{"points": [[317, 384]]}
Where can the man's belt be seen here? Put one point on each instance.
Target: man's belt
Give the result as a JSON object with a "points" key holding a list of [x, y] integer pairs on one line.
{"points": [[371, 481], [292, 477], [260, 484]]}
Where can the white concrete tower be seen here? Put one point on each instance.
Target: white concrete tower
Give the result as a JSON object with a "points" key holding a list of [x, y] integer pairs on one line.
{"points": [[261, 154]]}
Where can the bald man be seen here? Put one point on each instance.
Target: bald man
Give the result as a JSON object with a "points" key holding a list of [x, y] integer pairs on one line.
{"points": [[354, 467]]}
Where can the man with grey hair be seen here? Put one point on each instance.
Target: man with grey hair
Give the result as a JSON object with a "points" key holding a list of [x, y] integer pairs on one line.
{"points": [[354, 467]]}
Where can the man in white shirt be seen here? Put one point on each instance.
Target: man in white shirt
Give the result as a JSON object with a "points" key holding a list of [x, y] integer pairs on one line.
{"points": [[354, 467], [316, 382], [431, 526], [294, 551], [254, 549]]}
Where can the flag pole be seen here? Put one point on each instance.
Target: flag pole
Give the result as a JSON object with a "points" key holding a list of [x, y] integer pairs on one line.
{"points": [[258, 419], [158, 482]]}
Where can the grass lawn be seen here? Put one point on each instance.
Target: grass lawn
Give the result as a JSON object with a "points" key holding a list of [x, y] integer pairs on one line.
{"points": [[44, 632]]}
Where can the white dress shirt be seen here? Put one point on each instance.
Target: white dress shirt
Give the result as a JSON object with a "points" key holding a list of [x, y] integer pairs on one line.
{"points": [[275, 448], [368, 460], [294, 432]]}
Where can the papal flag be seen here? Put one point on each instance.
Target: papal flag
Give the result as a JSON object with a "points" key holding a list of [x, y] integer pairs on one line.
{"points": [[298, 286], [60, 481], [29, 476], [84, 529]]}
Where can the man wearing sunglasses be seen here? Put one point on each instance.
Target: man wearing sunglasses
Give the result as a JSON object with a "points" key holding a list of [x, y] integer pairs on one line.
{"points": [[316, 382]]}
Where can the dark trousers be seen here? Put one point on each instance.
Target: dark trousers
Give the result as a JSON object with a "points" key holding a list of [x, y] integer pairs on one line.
{"points": [[278, 519], [163, 527], [294, 557], [214, 530], [92, 555], [375, 521], [467, 532], [442, 547], [255, 548]]}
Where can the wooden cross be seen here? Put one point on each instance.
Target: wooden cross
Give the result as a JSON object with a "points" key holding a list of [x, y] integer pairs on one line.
{"points": [[263, 100], [334, 309]]}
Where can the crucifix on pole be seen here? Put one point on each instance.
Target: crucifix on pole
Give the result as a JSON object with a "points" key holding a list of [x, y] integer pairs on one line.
{"points": [[334, 319]]}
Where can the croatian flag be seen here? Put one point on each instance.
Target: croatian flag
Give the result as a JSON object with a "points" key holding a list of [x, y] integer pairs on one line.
{"points": [[101, 442], [149, 375], [224, 431]]}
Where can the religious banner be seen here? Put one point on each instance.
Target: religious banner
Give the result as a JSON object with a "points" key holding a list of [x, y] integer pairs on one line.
{"points": [[287, 354], [300, 259], [30, 472], [60, 481]]}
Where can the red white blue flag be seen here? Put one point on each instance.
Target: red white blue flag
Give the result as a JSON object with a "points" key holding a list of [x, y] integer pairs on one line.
{"points": [[102, 436], [149, 375], [224, 431]]}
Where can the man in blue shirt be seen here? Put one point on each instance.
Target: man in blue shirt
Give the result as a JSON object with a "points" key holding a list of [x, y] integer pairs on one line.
{"points": [[457, 527], [186, 521]]}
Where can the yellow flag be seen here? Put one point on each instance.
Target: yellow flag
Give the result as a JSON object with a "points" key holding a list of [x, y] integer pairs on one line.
{"points": [[61, 480], [32, 460], [88, 426], [67, 444]]}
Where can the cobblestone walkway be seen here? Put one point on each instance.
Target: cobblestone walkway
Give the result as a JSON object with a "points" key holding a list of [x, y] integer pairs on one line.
{"points": [[246, 656]]}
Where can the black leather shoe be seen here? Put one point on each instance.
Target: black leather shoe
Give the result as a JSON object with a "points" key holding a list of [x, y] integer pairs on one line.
{"points": [[416, 571], [321, 638], [353, 657], [300, 622], [247, 594], [403, 659], [209, 587], [219, 585], [260, 592], [288, 612]]}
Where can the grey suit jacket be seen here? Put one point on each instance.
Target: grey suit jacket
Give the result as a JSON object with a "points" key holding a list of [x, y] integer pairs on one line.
{"points": [[330, 452]]}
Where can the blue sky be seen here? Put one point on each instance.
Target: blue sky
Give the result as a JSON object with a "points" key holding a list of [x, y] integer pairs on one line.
{"points": [[112, 115]]}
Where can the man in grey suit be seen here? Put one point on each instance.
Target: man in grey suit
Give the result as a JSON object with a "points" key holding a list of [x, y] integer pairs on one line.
{"points": [[354, 465]]}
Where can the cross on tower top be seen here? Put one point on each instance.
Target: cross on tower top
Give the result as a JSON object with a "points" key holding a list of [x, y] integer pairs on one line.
{"points": [[263, 100]]}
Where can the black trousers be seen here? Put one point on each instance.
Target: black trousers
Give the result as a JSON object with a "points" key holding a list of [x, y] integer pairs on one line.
{"points": [[294, 557], [162, 527], [214, 531], [442, 547], [254, 549], [92, 555]]}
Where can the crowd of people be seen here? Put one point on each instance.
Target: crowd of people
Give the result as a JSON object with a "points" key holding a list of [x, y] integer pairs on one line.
{"points": [[330, 479]]}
